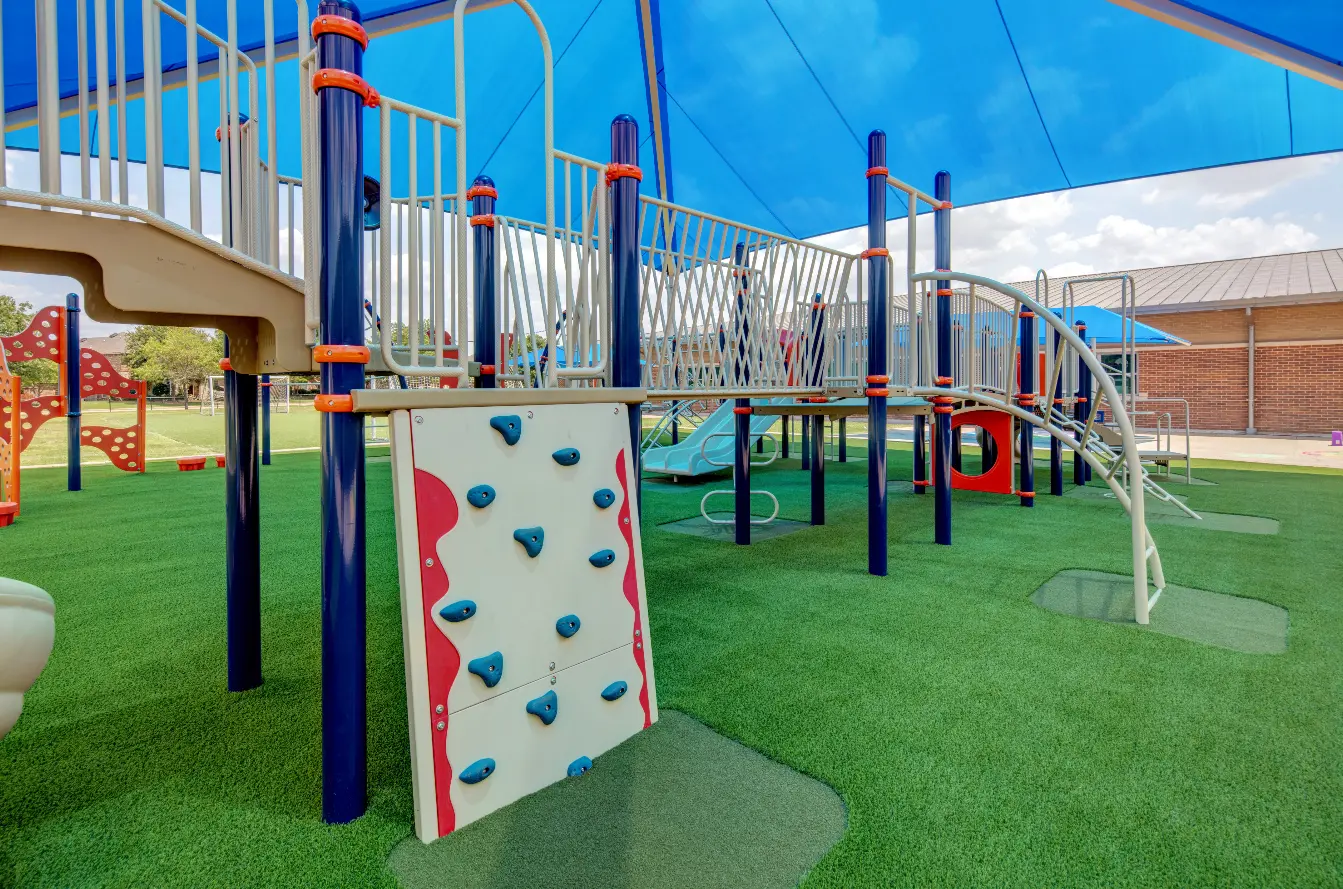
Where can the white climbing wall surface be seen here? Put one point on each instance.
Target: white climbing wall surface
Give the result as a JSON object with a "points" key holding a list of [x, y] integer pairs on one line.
{"points": [[522, 599]]}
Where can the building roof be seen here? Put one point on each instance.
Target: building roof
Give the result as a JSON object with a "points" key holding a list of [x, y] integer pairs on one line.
{"points": [[1284, 279], [111, 346]]}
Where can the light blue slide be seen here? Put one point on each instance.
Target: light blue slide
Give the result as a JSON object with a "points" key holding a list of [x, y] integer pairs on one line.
{"points": [[686, 458]]}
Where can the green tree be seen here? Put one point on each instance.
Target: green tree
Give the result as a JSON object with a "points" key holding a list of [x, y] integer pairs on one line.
{"points": [[15, 317], [179, 356]]}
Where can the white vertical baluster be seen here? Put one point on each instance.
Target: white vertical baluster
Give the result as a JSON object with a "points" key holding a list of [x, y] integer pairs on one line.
{"points": [[193, 117]]}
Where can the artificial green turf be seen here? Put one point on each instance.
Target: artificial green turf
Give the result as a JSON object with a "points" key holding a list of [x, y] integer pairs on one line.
{"points": [[1233, 622], [738, 820], [974, 738], [173, 432]]}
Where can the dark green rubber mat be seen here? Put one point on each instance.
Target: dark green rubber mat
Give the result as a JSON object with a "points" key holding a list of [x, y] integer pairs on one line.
{"points": [[1239, 624], [1218, 521], [698, 527], [676, 806]]}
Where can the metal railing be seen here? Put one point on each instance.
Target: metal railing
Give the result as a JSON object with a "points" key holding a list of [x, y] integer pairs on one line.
{"points": [[1145, 555], [729, 308]]}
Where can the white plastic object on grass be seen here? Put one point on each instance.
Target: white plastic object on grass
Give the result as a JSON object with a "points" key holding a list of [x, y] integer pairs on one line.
{"points": [[27, 633]]}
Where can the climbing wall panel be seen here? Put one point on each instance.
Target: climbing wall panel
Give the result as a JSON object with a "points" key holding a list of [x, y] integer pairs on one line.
{"points": [[523, 605]]}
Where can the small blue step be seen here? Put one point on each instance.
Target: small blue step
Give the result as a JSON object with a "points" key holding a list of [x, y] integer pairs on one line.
{"points": [[568, 625], [480, 496], [580, 766], [478, 771], [509, 426], [604, 498], [566, 456], [602, 558], [616, 690], [532, 539], [545, 708], [490, 668], [458, 611]]}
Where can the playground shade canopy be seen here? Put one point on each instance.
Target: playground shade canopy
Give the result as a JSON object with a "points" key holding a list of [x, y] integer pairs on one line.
{"points": [[758, 109], [1105, 328]]}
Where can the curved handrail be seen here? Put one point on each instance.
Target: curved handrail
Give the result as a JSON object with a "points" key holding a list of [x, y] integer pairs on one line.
{"points": [[1143, 549]]}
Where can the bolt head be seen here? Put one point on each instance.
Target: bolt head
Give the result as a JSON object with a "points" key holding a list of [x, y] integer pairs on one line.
{"points": [[419, 421], [441, 725], [429, 563], [554, 679], [552, 665], [439, 709], [638, 645]]}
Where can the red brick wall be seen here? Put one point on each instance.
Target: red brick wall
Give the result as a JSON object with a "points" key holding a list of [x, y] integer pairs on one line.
{"points": [[1213, 380], [1298, 388]]}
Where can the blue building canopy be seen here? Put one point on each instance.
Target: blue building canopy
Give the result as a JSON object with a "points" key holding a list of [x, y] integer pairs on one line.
{"points": [[761, 107]]}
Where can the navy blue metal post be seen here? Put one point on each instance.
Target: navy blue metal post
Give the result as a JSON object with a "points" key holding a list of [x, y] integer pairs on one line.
{"points": [[806, 441], [482, 195], [741, 471], [843, 440], [242, 529], [1028, 356], [73, 402], [625, 370], [878, 334], [942, 410], [920, 453], [785, 433], [816, 348], [818, 472], [265, 419], [1080, 408], [1056, 446], [344, 643]]}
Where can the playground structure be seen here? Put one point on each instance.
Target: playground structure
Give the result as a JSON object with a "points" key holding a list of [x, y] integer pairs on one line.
{"points": [[53, 335], [640, 299]]}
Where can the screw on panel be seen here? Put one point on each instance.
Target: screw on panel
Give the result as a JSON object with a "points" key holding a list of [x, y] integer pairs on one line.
{"points": [[438, 709], [441, 725], [419, 421], [429, 563]]}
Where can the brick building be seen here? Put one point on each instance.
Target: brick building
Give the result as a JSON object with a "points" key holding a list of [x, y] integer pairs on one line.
{"points": [[1265, 334]]}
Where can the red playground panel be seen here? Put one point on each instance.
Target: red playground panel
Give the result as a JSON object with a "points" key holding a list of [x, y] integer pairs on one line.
{"points": [[998, 426]]}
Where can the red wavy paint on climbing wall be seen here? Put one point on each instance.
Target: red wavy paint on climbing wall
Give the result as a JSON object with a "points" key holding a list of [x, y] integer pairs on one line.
{"points": [[436, 514], [632, 584]]}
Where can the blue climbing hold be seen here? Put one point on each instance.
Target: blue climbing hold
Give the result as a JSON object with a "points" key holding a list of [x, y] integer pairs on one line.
{"points": [[532, 539], [509, 426], [458, 611], [602, 558], [566, 456], [478, 771], [568, 625], [490, 668], [616, 690], [580, 766], [480, 496], [545, 708], [604, 498]]}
